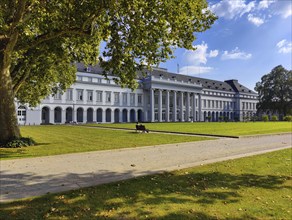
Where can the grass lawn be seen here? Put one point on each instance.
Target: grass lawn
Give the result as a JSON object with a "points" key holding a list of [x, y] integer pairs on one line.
{"points": [[55, 139], [258, 187], [218, 128]]}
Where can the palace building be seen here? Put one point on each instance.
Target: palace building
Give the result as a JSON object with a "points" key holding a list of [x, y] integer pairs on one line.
{"points": [[161, 97]]}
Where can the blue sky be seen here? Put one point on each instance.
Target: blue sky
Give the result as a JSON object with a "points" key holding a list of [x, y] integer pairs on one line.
{"points": [[247, 41]]}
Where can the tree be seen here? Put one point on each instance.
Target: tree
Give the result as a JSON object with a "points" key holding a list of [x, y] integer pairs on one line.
{"points": [[275, 91], [40, 40]]}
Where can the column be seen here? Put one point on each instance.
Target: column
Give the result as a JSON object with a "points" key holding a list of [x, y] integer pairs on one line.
{"points": [[194, 107], [128, 115], [112, 116], [120, 99], [160, 105], [63, 117], [121, 115], [167, 106], [52, 116], [151, 105], [188, 107], [103, 115], [84, 115], [74, 114], [94, 115], [174, 107], [200, 108], [181, 106]]}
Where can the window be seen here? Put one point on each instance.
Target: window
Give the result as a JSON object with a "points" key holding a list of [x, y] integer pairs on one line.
{"points": [[99, 96], [139, 99], [108, 96], [220, 104], [69, 94], [242, 105], [204, 103], [217, 104], [58, 95], [132, 99], [125, 98], [99, 80], [79, 78], [117, 97], [209, 104], [79, 94], [90, 96]]}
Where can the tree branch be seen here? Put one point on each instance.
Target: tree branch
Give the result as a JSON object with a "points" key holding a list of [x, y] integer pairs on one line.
{"points": [[53, 35]]}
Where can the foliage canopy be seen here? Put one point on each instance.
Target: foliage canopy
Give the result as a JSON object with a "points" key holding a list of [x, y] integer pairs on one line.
{"points": [[49, 36], [275, 91]]}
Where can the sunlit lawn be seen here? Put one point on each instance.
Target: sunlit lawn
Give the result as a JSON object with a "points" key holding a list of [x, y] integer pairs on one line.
{"points": [[55, 139], [257, 187], [217, 128]]}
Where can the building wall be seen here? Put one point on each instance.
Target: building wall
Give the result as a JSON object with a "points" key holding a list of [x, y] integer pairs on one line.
{"points": [[96, 99]]}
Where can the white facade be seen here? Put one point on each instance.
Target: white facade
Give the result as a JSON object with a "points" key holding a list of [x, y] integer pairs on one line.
{"points": [[161, 97]]}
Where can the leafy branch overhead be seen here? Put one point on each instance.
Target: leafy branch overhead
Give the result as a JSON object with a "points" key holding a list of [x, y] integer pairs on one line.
{"points": [[44, 38]]}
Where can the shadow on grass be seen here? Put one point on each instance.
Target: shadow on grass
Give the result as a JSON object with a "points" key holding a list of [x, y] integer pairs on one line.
{"points": [[133, 196], [18, 152]]}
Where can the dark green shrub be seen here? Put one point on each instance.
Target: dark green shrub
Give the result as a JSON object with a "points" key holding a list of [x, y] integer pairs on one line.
{"points": [[274, 118], [19, 142], [265, 118], [288, 118]]}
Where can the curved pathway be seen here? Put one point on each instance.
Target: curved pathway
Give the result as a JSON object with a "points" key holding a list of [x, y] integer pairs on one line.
{"points": [[29, 177]]}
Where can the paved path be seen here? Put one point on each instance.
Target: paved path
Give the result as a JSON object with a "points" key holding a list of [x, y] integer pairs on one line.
{"points": [[23, 178]]}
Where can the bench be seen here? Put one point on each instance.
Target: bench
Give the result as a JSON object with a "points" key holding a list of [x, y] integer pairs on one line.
{"points": [[141, 128]]}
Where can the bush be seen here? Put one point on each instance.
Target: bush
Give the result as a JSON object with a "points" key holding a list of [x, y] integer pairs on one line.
{"points": [[265, 118], [274, 118], [19, 142], [288, 118]]}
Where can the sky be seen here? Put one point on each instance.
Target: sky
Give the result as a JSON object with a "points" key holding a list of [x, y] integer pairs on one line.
{"points": [[247, 41]]}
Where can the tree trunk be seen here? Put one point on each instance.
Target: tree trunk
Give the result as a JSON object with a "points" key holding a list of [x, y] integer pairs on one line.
{"points": [[8, 122]]}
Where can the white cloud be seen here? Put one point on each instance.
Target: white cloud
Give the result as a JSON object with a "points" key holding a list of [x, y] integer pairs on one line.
{"points": [[284, 46], [193, 70], [235, 54], [198, 56], [213, 53], [265, 4], [283, 8], [232, 9], [257, 21]]}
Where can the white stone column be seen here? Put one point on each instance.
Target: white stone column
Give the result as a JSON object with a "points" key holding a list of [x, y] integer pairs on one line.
{"points": [[74, 115], [194, 107], [94, 115], [160, 105], [167, 106], [188, 107], [52, 116], [120, 99], [112, 116], [63, 117], [128, 115], [151, 105], [84, 115], [174, 118], [181, 106], [121, 115], [200, 108], [103, 115]]}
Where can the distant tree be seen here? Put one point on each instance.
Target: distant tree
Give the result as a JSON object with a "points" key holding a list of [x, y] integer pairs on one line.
{"points": [[41, 39], [275, 91]]}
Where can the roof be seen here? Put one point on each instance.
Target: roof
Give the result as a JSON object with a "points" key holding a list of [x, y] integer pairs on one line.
{"points": [[228, 85]]}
